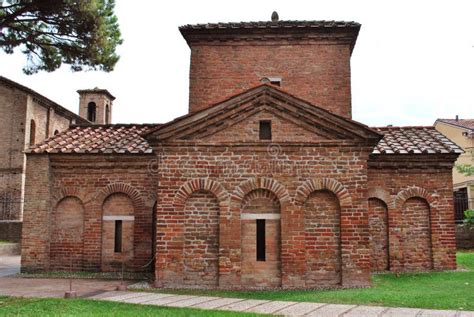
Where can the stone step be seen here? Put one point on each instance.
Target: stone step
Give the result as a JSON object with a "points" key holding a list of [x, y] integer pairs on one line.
{"points": [[10, 249]]}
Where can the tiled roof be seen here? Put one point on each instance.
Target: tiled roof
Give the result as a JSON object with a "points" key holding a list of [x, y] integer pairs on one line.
{"points": [[414, 140], [108, 139], [127, 139], [271, 25], [463, 123]]}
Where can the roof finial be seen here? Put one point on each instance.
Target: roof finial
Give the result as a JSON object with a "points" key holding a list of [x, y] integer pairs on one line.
{"points": [[275, 17]]}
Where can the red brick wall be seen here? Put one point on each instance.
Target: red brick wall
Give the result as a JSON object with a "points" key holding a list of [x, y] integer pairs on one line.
{"points": [[248, 131], [316, 72], [421, 228], [231, 173], [201, 240], [67, 236], [417, 234], [378, 226], [323, 239], [102, 184]]}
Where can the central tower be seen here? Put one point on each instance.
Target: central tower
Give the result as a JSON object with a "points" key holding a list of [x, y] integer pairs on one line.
{"points": [[310, 59]]}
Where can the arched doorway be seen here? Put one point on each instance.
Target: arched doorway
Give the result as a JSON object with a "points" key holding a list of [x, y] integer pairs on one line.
{"points": [[261, 239]]}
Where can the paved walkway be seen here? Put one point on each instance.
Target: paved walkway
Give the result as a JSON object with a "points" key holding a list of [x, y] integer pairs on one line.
{"points": [[105, 290], [53, 287], [272, 307]]}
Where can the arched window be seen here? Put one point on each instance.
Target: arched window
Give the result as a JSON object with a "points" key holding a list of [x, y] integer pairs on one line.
{"points": [[91, 111], [32, 132], [107, 115], [56, 132]]}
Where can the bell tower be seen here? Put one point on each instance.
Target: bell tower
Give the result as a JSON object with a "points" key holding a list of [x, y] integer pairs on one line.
{"points": [[95, 105]]}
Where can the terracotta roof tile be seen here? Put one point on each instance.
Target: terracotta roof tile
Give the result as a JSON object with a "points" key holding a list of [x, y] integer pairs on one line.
{"points": [[271, 25], [414, 140], [127, 139], [110, 139], [463, 123]]}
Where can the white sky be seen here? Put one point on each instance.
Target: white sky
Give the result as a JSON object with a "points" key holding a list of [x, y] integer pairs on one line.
{"points": [[413, 61]]}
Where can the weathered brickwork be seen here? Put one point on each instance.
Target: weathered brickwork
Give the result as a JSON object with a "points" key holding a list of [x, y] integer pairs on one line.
{"points": [[248, 131], [67, 234], [378, 222], [317, 73], [323, 239], [201, 240], [104, 186], [418, 195], [417, 234], [282, 175], [20, 109]]}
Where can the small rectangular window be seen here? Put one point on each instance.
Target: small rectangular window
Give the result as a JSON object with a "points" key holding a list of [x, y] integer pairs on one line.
{"points": [[265, 130], [260, 239], [276, 83], [118, 236]]}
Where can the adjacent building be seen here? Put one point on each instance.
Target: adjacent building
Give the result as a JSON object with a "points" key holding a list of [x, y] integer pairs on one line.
{"points": [[26, 118], [461, 131]]}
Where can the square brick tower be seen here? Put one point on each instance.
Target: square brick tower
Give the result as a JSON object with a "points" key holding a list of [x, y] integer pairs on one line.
{"points": [[95, 105], [310, 59]]}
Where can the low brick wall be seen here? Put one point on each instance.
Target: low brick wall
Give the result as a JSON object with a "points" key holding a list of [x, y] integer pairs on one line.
{"points": [[464, 236], [10, 230]]}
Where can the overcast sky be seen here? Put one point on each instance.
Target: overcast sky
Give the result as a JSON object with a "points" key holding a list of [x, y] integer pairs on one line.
{"points": [[413, 61]]}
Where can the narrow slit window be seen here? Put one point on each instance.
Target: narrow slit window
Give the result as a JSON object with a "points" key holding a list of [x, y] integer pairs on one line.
{"points": [[32, 132], [265, 130], [260, 239], [118, 236], [91, 112]]}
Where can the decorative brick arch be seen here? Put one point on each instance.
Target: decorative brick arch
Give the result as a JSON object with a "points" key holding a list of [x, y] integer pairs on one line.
{"points": [[330, 184], [65, 192], [412, 192], [200, 184], [380, 194], [260, 183], [123, 188]]}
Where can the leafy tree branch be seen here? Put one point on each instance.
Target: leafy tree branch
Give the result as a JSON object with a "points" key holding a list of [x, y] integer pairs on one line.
{"points": [[81, 33]]}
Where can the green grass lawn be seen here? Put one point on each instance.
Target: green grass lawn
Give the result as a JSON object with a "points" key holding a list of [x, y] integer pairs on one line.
{"points": [[14, 306], [440, 290]]}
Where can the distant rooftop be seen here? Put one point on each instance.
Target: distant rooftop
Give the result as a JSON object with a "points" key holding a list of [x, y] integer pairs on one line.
{"points": [[463, 123], [46, 101], [96, 90]]}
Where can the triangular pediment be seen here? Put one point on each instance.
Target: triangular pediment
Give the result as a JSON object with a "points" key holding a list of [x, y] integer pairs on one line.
{"points": [[294, 117]]}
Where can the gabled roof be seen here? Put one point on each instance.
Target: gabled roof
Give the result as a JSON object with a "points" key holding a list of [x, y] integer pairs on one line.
{"points": [[93, 139], [269, 98], [414, 140], [462, 123], [42, 99]]}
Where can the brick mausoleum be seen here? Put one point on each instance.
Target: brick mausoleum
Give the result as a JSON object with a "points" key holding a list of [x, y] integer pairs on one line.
{"points": [[267, 182]]}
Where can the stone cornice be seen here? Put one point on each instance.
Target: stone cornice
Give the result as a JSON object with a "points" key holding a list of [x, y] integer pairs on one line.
{"points": [[271, 36]]}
